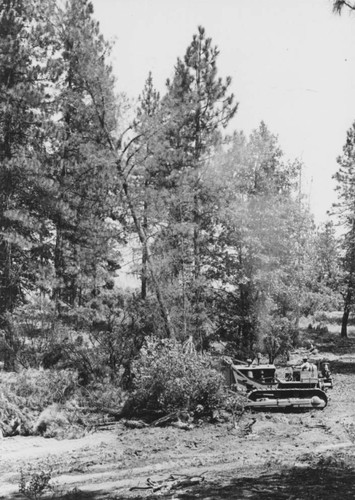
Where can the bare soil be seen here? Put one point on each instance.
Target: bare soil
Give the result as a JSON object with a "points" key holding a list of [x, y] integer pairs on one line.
{"points": [[309, 455]]}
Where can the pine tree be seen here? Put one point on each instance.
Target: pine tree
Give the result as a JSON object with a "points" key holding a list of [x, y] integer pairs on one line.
{"points": [[325, 272], [122, 152], [345, 208], [83, 174], [144, 172], [194, 111], [200, 106], [24, 40]]}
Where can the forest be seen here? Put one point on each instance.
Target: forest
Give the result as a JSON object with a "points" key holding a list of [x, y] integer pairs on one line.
{"points": [[211, 223]]}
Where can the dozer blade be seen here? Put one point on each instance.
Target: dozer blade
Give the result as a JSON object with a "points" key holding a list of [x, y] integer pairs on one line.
{"points": [[287, 398]]}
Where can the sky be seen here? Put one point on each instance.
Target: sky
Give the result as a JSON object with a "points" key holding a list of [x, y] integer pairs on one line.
{"points": [[292, 64]]}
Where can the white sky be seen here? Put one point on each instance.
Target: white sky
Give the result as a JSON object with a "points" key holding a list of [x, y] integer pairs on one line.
{"points": [[292, 64]]}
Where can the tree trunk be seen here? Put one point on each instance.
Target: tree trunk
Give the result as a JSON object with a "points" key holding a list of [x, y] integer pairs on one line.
{"points": [[144, 277], [346, 313], [139, 229], [143, 239], [58, 268], [196, 239], [9, 292], [7, 305], [10, 349]]}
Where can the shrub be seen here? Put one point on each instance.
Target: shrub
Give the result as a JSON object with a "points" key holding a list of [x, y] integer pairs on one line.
{"points": [[167, 379], [25, 395], [41, 388], [101, 395], [53, 403], [33, 483], [279, 336]]}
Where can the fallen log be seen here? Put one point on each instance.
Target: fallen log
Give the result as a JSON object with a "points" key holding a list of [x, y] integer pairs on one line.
{"points": [[134, 424], [112, 412]]}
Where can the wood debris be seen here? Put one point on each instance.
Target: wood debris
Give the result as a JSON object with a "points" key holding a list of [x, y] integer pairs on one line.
{"points": [[134, 424], [173, 482]]}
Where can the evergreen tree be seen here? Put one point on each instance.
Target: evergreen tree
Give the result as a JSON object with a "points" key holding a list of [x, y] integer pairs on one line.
{"points": [[24, 41], [145, 171], [258, 252], [325, 273], [200, 105], [125, 155], [82, 171], [194, 111], [345, 208]]}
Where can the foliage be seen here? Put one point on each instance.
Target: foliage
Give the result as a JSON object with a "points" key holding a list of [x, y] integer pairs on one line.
{"points": [[97, 341], [259, 260], [118, 325], [324, 274], [176, 137], [35, 483], [24, 42], [78, 207], [52, 403], [227, 247], [338, 5], [200, 105], [100, 396], [26, 395], [42, 388], [167, 378], [345, 209], [279, 337]]}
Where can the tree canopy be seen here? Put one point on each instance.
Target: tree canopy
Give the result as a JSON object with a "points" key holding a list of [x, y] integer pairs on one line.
{"points": [[212, 223]]}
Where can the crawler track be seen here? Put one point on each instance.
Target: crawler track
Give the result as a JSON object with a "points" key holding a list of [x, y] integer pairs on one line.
{"points": [[295, 398]]}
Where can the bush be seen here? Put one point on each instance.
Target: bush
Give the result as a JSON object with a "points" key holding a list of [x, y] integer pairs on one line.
{"points": [[34, 483], [41, 388], [168, 379], [279, 336], [101, 395], [25, 395], [54, 404]]}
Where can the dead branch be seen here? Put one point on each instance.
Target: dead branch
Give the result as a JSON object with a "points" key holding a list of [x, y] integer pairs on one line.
{"points": [[166, 419], [173, 482], [134, 424]]}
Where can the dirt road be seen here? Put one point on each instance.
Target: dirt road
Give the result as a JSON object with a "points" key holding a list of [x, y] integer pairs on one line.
{"points": [[305, 455]]}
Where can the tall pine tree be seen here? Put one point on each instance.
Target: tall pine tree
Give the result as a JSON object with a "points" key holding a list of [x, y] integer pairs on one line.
{"points": [[345, 208], [24, 41], [82, 171], [195, 109]]}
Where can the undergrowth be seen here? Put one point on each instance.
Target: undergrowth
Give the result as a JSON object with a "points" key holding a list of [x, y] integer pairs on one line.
{"points": [[34, 483], [52, 403], [168, 378]]}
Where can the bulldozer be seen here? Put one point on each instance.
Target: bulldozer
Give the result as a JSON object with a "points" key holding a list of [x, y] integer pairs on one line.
{"points": [[302, 388]]}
